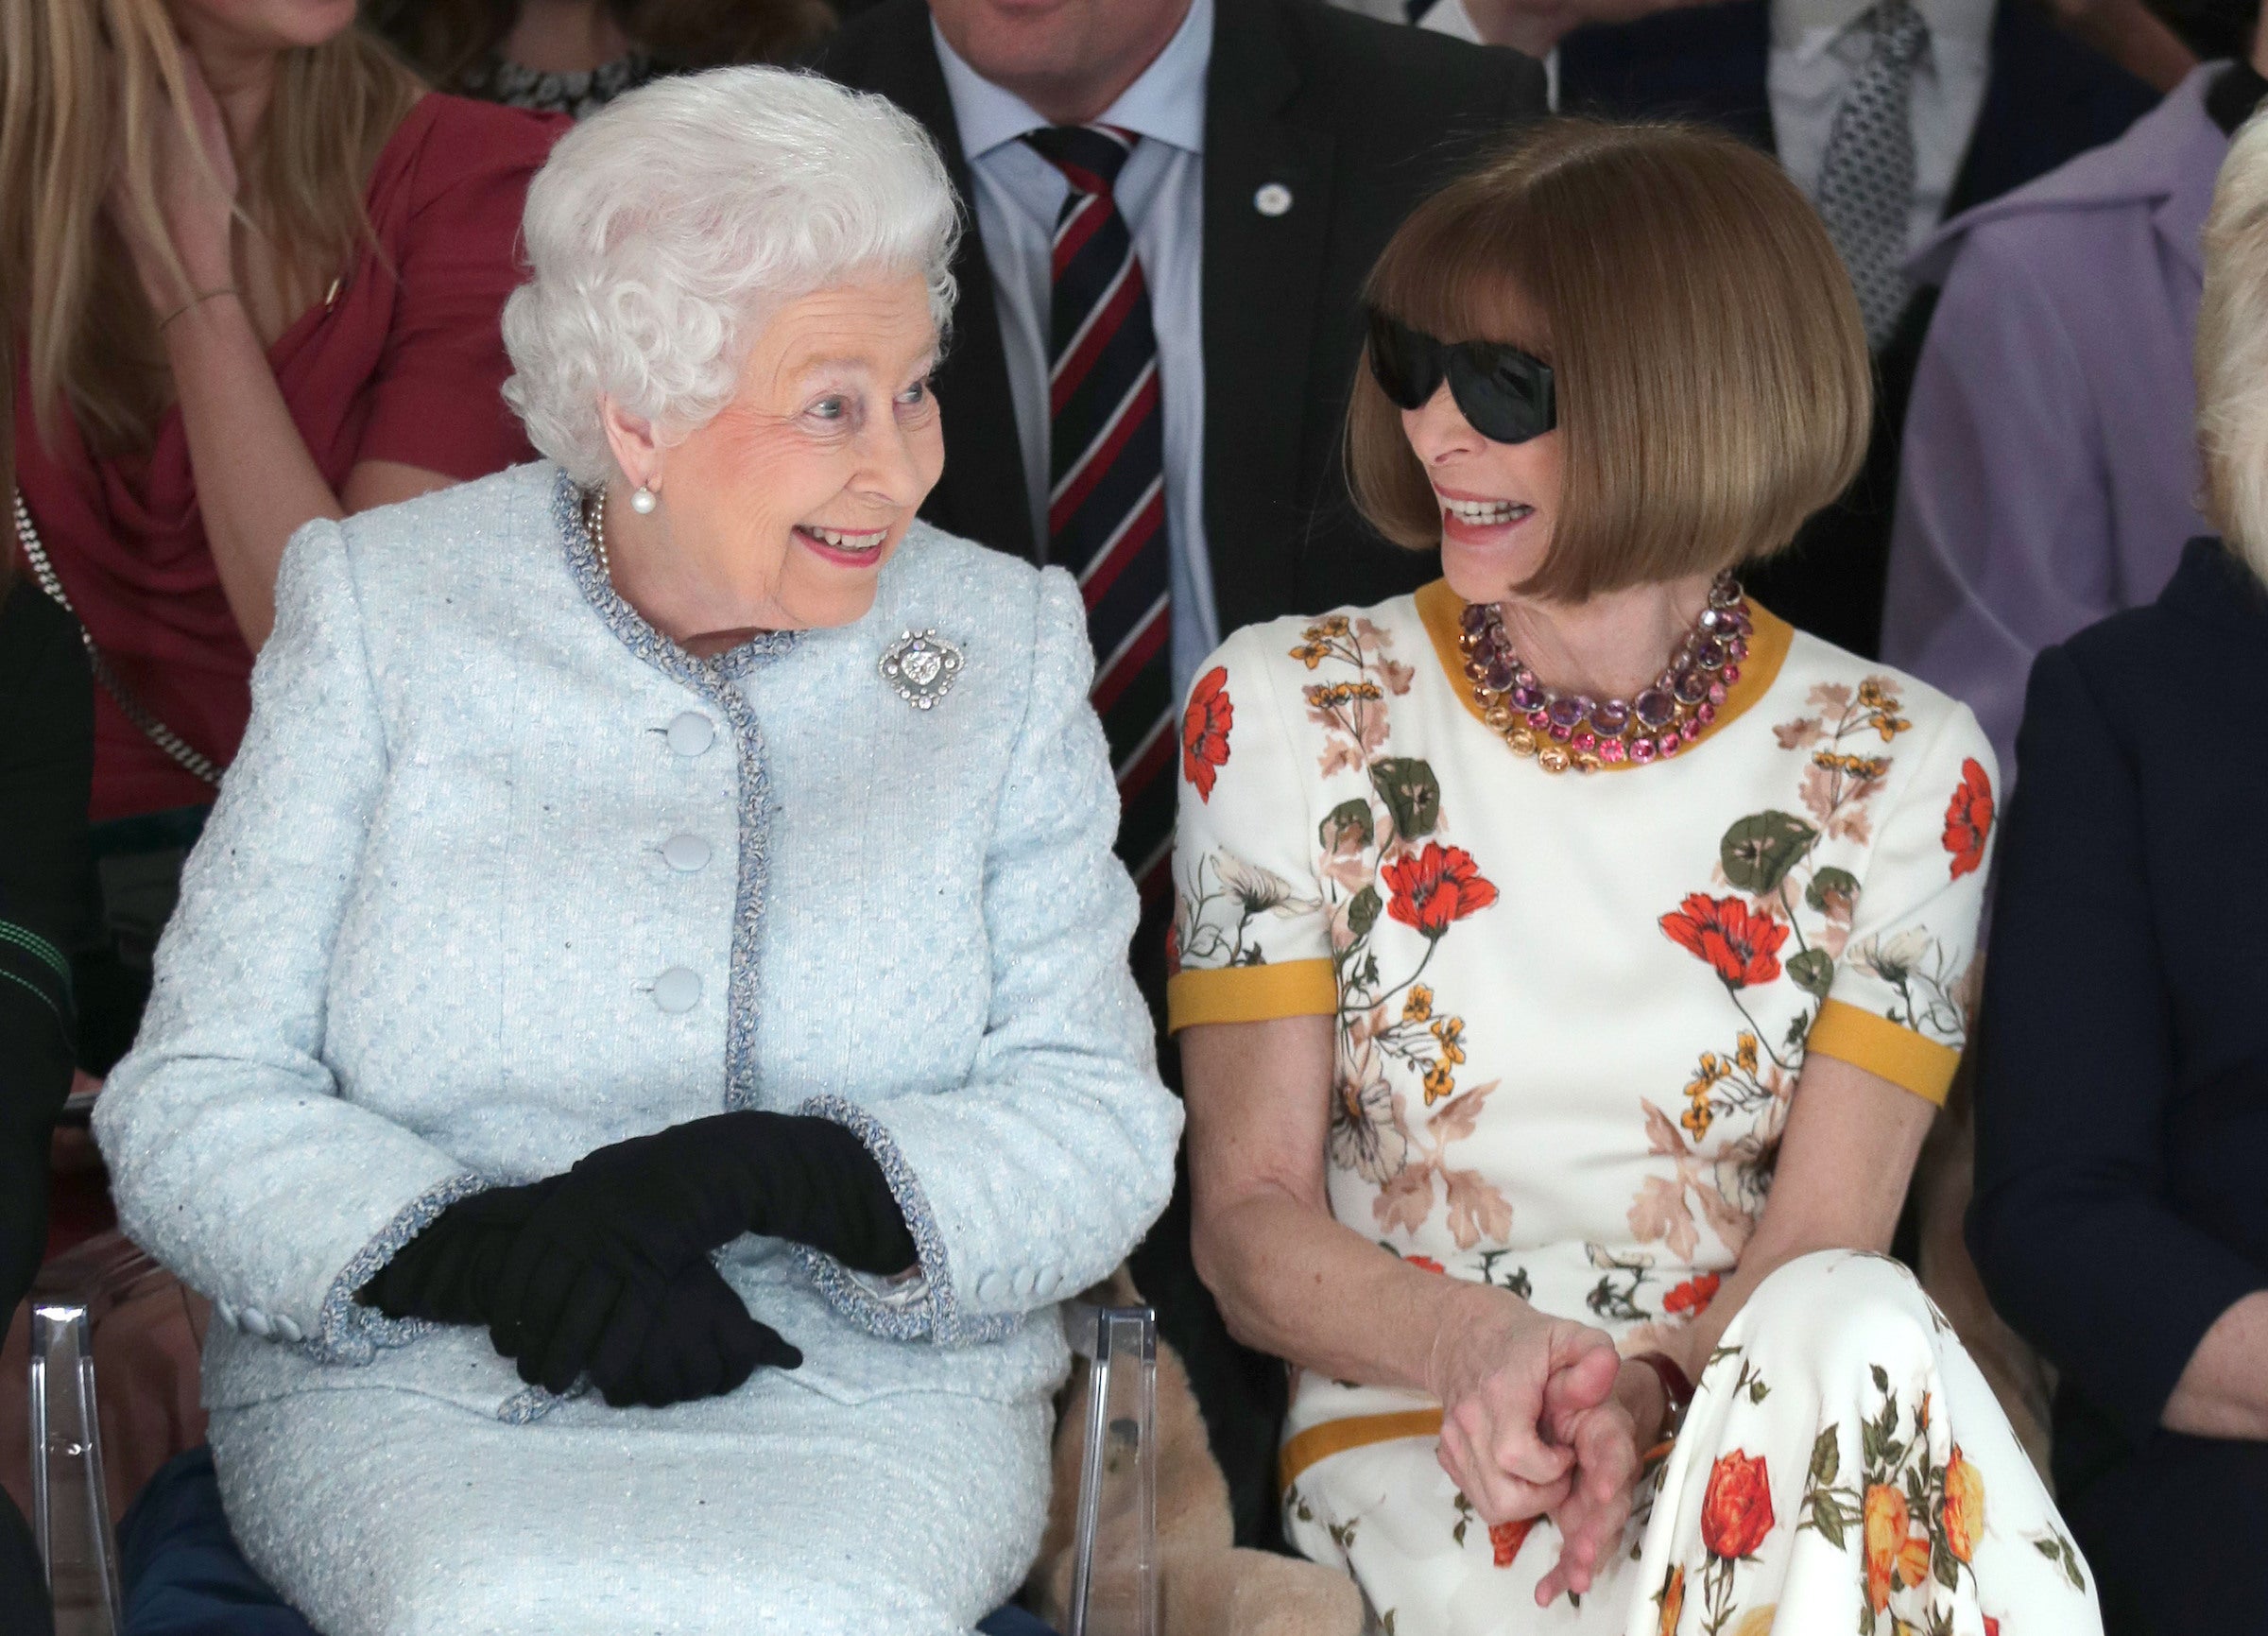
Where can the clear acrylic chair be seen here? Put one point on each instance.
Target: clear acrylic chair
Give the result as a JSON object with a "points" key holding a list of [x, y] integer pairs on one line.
{"points": [[70, 1494], [1114, 1572], [1114, 1583]]}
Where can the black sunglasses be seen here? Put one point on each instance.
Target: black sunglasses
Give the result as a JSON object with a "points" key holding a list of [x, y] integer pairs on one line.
{"points": [[1504, 393]]}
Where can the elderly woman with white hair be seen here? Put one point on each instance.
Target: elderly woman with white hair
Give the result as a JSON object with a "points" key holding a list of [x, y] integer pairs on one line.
{"points": [[647, 1036], [2122, 1106]]}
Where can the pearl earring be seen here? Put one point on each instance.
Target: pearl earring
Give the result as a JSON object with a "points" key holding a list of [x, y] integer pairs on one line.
{"points": [[644, 500]]}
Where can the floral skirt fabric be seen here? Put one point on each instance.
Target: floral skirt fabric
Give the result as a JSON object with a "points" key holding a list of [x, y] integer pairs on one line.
{"points": [[1844, 1468]]}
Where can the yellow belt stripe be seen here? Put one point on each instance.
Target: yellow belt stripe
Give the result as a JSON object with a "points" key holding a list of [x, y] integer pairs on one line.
{"points": [[1318, 1444]]}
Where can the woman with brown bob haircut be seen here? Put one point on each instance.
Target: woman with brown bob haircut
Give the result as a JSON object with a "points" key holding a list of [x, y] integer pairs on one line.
{"points": [[1570, 960]]}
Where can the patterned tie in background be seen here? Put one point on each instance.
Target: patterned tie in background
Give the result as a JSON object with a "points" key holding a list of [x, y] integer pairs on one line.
{"points": [[1106, 512], [1866, 178]]}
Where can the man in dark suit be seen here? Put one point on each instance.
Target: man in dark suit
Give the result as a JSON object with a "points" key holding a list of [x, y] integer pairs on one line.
{"points": [[2045, 97], [1174, 204]]}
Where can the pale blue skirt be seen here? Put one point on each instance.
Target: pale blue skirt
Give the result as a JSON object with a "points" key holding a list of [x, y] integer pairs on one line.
{"points": [[388, 1513]]}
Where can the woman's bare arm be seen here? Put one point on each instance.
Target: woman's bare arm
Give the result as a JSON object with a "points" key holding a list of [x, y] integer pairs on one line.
{"points": [[1844, 1159], [2224, 1392], [1293, 1282]]}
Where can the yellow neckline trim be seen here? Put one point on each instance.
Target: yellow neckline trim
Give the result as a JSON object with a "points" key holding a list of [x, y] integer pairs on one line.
{"points": [[1441, 608]]}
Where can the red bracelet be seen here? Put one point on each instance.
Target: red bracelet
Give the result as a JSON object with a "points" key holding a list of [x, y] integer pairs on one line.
{"points": [[1677, 1388], [1675, 1385]]}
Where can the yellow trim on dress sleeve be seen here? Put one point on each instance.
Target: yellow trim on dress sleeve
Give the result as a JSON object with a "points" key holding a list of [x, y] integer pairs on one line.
{"points": [[1880, 1047], [1252, 994]]}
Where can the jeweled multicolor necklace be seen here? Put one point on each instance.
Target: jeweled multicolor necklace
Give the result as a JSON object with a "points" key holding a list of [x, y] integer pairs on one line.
{"points": [[1560, 729]]}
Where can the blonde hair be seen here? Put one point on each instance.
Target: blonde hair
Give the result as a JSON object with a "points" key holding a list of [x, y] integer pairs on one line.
{"points": [[2232, 350], [1710, 367], [85, 86]]}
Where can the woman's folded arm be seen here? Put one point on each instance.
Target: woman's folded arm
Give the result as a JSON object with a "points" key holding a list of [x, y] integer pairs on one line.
{"points": [[232, 1156], [2072, 1227], [1033, 1178]]}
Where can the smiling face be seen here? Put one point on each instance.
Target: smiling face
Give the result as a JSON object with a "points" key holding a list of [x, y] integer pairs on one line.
{"points": [[779, 512], [1498, 501]]}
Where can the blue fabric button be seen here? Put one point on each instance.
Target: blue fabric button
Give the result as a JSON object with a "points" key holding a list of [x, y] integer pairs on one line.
{"points": [[685, 854], [255, 1322], [691, 732], [677, 989]]}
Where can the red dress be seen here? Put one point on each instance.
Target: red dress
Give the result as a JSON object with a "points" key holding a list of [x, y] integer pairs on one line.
{"points": [[404, 364]]}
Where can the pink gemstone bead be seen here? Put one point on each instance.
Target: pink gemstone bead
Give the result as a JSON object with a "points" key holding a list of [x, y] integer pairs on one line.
{"points": [[1540, 721], [1612, 749], [1731, 673], [1587, 740], [1690, 729], [1560, 731], [1716, 694], [1706, 713], [1642, 751], [1669, 743]]}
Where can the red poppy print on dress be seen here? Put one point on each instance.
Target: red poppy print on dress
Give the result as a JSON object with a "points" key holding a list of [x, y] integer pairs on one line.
{"points": [[1425, 1263], [1438, 888], [1693, 1296], [1505, 1539], [1968, 819], [1205, 730], [1742, 948]]}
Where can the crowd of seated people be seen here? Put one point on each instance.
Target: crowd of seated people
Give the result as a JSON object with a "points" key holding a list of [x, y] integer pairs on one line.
{"points": [[585, 563]]}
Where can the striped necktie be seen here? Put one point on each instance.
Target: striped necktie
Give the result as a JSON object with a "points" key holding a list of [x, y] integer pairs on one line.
{"points": [[1106, 508]]}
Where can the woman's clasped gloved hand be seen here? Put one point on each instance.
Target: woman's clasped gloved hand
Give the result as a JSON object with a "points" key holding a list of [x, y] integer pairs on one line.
{"points": [[604, 1271]]}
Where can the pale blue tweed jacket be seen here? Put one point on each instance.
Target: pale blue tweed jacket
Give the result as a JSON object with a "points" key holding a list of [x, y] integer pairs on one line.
{"points": [[482, 809]]}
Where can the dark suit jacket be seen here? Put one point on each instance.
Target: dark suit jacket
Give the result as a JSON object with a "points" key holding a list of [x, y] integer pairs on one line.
{"points": [[2048, 99], [2122, 1098], [1359, 120]]}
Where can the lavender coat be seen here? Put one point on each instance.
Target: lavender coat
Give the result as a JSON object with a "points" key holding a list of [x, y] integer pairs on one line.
{"points": [[2051, 474]]}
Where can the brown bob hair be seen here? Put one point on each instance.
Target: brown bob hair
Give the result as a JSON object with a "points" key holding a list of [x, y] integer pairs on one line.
{"points": [[1712, 378]]}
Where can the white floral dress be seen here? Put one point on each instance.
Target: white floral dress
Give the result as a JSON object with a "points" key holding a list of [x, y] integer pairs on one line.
{"points": [[1570, 1012]]}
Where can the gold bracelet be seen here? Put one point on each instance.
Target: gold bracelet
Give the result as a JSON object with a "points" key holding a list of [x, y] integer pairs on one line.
{"points": [[198, 299]]}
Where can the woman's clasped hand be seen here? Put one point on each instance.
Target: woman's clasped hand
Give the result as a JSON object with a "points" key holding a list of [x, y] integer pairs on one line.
{"points": [[1542, 1417], [605, 1270]]}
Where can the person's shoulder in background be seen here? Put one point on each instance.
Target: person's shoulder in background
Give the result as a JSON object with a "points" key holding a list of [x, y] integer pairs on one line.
{"points": [[447, 143], [1393, 89], [2170, 153], [2206, 631]]}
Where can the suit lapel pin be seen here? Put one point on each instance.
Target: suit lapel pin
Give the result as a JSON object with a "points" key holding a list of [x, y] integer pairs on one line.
{"points": [[921, 666], [1274, 198]]}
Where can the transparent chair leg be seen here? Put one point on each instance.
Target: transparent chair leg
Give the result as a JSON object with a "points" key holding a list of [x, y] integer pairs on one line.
{"points": [[70, 1510], [1114, 1583]]}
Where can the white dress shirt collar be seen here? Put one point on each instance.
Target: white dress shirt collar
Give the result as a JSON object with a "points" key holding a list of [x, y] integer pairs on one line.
{"points": [[1810, 28], [1166, 104]]}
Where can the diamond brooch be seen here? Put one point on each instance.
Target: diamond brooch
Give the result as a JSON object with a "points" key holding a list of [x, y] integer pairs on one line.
{"points": [[921, 666]]}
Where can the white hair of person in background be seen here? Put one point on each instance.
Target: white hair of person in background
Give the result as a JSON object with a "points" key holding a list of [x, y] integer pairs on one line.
{"points": [[539, 992], [2232, 349]]}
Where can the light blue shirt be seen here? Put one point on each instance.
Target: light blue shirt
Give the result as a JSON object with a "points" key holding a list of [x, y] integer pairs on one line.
{"points": [[1162, 194]]}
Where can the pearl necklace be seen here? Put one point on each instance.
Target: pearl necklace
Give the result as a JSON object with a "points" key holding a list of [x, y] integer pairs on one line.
{"points": [[1560, 731]]}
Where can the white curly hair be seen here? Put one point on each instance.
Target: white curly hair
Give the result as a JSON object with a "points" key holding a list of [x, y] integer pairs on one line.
{"points": [[2232, 349], [665, 228]]}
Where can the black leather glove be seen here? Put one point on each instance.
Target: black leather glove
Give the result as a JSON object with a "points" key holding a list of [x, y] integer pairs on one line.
{"points": [[638, 1211], [448, 1271], [661, 1343], [697, 1341]]}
